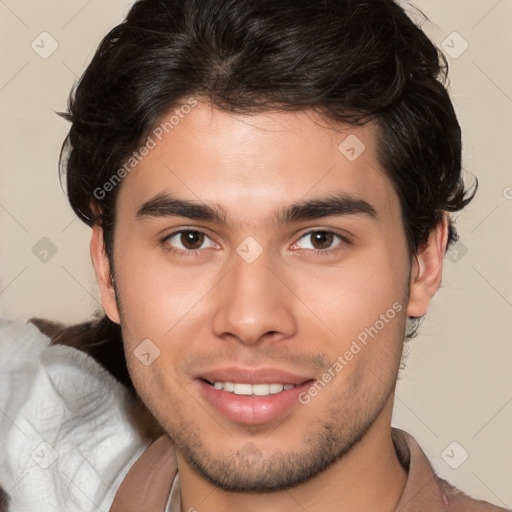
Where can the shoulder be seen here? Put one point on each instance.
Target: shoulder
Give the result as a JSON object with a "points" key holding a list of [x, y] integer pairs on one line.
{"points": [[425, 489], [70, 431], [459, 501]]}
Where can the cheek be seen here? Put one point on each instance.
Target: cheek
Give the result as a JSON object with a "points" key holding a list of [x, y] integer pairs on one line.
{"points": [[154, 295], [157, 389], [160, 309], [362, 305], [352, 296]]}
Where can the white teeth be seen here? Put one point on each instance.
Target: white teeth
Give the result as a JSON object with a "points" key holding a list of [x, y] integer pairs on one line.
{"points": [[229, 386], [261, 389], [243, 389], [252, 389], [276, 388]]}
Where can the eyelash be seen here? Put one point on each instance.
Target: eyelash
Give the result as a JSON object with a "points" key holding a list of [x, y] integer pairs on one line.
{"points": [[196, 252]]}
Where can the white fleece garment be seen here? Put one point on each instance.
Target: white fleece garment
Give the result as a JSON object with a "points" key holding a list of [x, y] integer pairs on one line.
{"points": [[68, 430]]}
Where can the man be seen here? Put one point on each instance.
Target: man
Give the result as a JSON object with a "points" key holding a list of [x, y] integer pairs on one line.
{"points": [[269, 186]]}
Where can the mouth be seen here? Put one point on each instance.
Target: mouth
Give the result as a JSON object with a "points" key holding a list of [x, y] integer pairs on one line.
{"points": [[252, 397]]}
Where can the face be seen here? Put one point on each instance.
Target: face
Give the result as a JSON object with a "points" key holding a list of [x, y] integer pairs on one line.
{"points": [[255, 263]]}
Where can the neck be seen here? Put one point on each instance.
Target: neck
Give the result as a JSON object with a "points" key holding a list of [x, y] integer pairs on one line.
{"points": [[368, 478]]}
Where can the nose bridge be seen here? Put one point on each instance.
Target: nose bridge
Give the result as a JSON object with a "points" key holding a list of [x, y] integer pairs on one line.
{"points": [[253, 301]]}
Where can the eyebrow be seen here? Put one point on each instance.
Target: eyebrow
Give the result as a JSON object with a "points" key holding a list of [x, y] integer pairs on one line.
{"points": [[333, 205]]}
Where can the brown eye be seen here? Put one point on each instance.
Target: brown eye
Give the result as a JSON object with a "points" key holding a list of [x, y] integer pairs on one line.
{"points": [[320, 241], [191, 240], [188, 240]]}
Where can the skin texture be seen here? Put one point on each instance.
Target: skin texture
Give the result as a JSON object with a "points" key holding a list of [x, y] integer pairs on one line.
{"points": [[289, 309]]}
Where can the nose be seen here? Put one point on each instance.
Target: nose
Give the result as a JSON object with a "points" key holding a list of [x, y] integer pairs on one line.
{"points": [[253, 304]]}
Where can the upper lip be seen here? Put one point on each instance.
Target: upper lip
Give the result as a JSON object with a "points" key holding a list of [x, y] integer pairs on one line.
{"points": [[253, 376]]}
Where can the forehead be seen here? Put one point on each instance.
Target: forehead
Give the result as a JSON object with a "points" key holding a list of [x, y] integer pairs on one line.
{"points": [[252, 164]]}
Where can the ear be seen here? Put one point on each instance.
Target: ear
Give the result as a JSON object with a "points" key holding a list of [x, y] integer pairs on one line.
{"points": [[103, 275], [427, 270]]}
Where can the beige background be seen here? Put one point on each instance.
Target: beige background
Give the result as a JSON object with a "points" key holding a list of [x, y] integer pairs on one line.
{"points": [[457, 385]]}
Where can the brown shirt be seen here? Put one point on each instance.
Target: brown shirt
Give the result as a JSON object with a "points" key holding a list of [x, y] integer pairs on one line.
{"points": [[148, 484]]}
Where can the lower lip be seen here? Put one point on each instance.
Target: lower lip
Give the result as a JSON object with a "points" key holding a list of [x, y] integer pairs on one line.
{"points": [[249, 409]]}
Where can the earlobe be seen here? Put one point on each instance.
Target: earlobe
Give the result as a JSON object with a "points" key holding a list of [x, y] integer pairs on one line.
{"points": [[103, 275], [427, 270]]}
